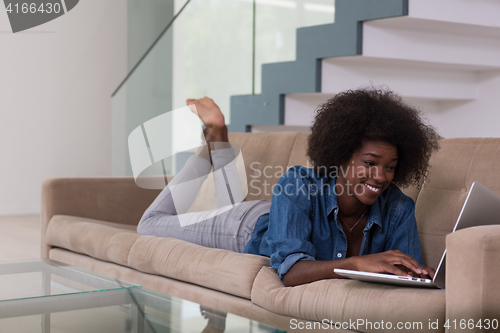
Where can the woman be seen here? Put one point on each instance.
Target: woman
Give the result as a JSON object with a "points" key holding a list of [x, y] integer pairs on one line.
{"points": [[346, 212]]}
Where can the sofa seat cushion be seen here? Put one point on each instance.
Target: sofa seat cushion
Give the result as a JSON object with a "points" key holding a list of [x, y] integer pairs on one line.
{"points": [[103, 240], [222, 270], [341, 300]]}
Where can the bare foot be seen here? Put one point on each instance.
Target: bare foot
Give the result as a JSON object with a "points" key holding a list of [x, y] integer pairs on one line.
{"points": [[211, 116], [209, 112]]}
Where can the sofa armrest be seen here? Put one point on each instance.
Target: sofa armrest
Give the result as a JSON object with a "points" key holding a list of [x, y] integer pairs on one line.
{"points": [[113, 199], [473, 274]]}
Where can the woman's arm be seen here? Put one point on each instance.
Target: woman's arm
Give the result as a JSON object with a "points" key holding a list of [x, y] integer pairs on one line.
{"points": [[306, 271]]}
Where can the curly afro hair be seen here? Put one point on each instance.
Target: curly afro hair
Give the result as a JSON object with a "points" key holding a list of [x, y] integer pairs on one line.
{"points": [[348, 120]]}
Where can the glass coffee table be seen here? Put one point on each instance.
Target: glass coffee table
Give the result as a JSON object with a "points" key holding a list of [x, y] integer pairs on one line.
{"points": [[45, 295]]}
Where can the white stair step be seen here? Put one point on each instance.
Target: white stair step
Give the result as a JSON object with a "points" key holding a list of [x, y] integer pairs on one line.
{"points": [[433, 41], [480, 12], [300, 108], [408, 78]]}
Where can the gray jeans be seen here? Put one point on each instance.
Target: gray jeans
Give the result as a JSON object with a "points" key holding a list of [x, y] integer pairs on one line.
{"points": [[229, 226]]}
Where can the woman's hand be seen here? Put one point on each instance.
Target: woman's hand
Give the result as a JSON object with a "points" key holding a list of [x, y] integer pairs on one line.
{"points": [[427, 273], [430, 272], [392, 262]]}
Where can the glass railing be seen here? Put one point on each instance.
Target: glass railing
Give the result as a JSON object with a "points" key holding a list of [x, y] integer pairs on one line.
{"points": [[211, 48], [276, 22]]}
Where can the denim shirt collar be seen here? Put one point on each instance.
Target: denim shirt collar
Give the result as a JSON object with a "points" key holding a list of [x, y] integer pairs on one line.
{"points": [[333, 205]]}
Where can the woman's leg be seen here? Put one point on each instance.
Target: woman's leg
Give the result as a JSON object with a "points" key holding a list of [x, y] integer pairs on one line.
{"points": [[228, 190], [219, 228]]}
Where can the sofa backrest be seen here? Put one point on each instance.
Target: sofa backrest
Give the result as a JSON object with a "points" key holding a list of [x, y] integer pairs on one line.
{"points": [[267, 157], [454, 168]]}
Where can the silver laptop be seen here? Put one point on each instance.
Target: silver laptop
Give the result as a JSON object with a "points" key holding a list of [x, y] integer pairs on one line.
{"points": [[482, 207]]}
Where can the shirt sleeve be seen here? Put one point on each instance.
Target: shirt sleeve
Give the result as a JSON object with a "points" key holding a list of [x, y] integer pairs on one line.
{"points": [[404, 235], [290, 261], [290, 227]]}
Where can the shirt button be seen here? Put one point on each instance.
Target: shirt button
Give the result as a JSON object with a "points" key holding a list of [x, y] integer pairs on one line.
{"points": [[339, 255]]}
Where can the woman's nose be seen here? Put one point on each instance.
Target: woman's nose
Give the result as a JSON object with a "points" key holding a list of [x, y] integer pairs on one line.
{"points": [[378, 174]]}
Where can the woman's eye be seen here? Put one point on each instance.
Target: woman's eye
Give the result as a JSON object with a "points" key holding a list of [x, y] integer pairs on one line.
{"points": [[369, 163], [392, 168]]}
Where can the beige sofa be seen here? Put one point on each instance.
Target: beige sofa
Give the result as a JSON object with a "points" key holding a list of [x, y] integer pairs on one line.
{"points": [[90, 223]]}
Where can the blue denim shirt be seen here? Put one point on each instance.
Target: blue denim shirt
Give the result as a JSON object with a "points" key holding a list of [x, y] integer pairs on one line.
{"points": [[303, 223]]}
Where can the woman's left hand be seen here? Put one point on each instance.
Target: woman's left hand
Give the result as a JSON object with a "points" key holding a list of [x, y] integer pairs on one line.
{"points": [[426, 274]]}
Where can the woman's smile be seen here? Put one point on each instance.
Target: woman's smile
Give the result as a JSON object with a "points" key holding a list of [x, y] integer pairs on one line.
{"points": [[373, 189]]}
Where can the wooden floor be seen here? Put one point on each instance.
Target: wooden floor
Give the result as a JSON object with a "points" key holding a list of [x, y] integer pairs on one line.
{"points": [[19, 237]]}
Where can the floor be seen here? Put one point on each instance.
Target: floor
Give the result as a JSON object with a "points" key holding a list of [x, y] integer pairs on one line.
{"points": [[19, 237]]}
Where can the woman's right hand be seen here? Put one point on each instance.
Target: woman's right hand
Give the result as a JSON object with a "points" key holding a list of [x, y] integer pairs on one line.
{"points": [[388, 262]]}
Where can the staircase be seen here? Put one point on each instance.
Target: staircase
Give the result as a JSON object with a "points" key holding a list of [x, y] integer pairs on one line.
{"points": [[441, 55]]}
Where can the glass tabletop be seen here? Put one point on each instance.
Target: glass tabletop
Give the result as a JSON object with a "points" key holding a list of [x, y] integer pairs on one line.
{"points": [[46, 277], [50, 296]]}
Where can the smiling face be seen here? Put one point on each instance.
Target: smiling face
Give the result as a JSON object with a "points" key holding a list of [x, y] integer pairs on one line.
{"points": [[368, 173]]}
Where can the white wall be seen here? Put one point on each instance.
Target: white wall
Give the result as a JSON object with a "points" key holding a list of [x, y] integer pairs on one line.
{"points": [[56, 82]]}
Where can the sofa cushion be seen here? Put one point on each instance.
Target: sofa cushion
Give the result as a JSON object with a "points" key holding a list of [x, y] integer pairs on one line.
{"points": [[104, 240], [170, 257], [341, 300], [217, 269]]}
